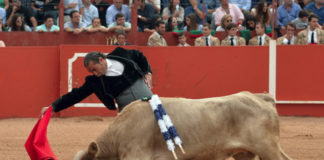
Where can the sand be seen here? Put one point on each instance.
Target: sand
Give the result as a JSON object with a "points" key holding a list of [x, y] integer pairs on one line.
{"points": [[302, 138]]}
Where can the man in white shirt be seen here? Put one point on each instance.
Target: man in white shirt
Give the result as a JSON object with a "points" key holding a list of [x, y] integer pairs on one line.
{"points": [[261, 39], [156, 38], [89, 12], [122, 76], [313, 34], [207, 39], [289, 38]]}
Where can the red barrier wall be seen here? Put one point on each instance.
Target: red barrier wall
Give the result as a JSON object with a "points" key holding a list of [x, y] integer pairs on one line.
{"points": [[29, 80], [33, 77]]}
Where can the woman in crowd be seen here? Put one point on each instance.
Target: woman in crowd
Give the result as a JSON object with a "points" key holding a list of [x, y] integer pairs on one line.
{"points": [[191, 23], [18, 24], [226, 19], [262, 13], [174, 10]]}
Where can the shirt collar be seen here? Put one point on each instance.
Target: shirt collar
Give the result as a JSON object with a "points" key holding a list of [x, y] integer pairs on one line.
{"points": [[109, 64]]}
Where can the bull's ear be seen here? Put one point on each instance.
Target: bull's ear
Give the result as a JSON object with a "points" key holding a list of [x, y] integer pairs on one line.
{"points": [[93, 149]]}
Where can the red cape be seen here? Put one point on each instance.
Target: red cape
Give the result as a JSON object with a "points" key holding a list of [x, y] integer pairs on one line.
{"points": [[37, 145]]}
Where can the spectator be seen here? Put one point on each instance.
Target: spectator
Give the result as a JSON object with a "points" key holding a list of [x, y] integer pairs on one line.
{"points": [[1, 25], [232, 39], [197, 9], [117, 7], [18, 24], [207, 39], [317, 7], [48, 25], [156, 38], [228, 8], [172, 25], [244, 5], [145, 13], [226, 19], [287, 13], [174, 10], [182, 39], [289, 38], [96, 26], [301, 22], [72, 5], [211, 8], [75, 25], [261, 38], [156, 4], [262, 14], [313, 34], [191, 23], [102, 8], [38, 9], [89, 12], [26, 13], [2, 44], [51, 8], [4, 4], [151, 26], [249, 22], [3, 15], [121, 38], [119, 24]]}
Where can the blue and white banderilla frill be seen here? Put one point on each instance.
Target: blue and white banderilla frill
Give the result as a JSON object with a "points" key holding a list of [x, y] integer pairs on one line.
{"points": [[167, 129]]}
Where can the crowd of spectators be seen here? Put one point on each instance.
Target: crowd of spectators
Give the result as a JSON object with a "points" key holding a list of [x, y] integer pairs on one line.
{"points": [[204, 17]]}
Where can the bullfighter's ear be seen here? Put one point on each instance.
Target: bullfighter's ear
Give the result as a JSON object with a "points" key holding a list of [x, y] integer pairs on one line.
{"points": [[93, 149]]}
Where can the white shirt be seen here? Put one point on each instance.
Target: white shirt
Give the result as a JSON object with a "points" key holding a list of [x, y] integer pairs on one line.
{"points": [[263, 39], [183, 45], [234, 39], [208, 40], [114, 68], [310, 35], [285, 41]]}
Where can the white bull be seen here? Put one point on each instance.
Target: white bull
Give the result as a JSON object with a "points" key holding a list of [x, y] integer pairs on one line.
{"points": [[241, 125]]}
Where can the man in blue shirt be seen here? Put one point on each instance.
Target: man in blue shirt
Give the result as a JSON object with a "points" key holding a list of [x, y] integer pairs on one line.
{"points": [[145, 13], [117, 7], [243, 4], [317, 7], [287, 13]]}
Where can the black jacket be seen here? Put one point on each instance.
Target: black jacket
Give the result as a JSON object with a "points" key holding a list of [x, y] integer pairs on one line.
{"points": [[107, 88]]}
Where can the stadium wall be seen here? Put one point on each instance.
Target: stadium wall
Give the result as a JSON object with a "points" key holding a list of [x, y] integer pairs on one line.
{"points": [[33, 77]]}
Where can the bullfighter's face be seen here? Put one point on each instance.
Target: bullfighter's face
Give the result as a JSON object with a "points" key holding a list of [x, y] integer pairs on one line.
{"points": [[98, 69]]}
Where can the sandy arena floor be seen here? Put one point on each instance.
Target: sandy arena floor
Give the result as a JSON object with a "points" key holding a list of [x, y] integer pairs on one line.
{"points": [[302, 138]]}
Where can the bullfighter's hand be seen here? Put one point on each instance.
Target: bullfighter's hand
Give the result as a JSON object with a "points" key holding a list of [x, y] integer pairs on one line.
{"points": [[148, 80]]}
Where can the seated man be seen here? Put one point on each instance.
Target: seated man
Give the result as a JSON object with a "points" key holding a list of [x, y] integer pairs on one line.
{"points": [[182, 40], [261, 38], [232, 39], [289, 38], [89, 12], [96, 26], [117, 7], [313, 34], [119, 23], [48, 25], [121, 38], [206, 39], [156, 38], [317, 7], [145, 14], [75, 25]]}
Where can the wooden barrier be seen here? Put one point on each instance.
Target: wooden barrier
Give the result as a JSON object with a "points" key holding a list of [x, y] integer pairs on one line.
{"points": [[33, 77]]}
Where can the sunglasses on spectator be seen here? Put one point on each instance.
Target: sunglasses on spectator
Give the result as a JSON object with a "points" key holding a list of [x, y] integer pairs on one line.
{"points": [[229, 20]]}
